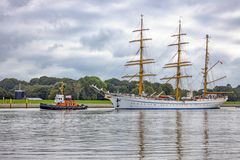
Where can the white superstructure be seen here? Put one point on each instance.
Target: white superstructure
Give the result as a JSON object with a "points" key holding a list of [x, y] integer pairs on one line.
{"points": [[59, 98]]}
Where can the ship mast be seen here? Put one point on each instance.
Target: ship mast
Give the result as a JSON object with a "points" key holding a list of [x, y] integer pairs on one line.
{"points": [[141, 60], [178, 64], [206, 70], [140, 83]]}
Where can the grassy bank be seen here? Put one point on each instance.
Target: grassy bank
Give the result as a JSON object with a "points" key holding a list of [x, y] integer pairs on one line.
{"points": [[22, 101]]}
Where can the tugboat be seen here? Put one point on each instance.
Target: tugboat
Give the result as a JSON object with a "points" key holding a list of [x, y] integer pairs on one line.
{"points": [[63, 104]]}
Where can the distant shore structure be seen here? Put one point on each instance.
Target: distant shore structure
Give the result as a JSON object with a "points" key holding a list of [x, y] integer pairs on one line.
{"points": [[19, 93], [34, 99]]}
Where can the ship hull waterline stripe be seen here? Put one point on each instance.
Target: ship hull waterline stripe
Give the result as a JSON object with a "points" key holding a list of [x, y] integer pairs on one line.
{"points": [[166, 108]]}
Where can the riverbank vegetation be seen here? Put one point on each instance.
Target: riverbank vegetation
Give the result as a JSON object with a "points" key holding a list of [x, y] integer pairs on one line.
{"points": [[47, 87], [24, 101]]}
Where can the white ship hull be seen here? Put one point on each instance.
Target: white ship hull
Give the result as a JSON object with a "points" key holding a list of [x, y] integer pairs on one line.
{"points": [[131, 102]]}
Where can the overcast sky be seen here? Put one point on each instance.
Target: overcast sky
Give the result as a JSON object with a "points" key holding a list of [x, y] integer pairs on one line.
{"points": [[74, 38]]}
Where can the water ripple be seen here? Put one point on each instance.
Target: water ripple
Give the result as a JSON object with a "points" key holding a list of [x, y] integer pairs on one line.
{"points": [[110, 134]]}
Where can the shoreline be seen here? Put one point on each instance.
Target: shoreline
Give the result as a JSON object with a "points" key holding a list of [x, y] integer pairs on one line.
{"points": [[7, 106]]}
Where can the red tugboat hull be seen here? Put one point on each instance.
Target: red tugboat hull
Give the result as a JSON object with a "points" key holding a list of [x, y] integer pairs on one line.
{"points": [[55, 107]]}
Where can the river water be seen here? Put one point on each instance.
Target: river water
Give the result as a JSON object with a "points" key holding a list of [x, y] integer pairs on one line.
{"points": [[111, 134]]}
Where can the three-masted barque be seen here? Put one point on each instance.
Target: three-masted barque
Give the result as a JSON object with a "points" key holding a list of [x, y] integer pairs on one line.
{"points": [[209, 100]]}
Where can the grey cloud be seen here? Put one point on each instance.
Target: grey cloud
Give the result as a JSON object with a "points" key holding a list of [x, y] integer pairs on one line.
{"points": [[215, 6], [233, 73], [98, 41], [82, 65], [39, 60], [212, 10], [53, 23], [221, 23], [237, 41], [10, 42], [18, 3], [52, 14], [92, 28], [108, 39], [53, 47], [4, 17], [233, 23]]}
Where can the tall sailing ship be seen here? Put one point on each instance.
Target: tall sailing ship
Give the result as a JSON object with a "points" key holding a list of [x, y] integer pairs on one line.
{"points": [[209, 100]]}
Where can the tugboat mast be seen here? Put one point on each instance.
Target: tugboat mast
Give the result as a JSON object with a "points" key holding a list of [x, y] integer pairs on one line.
{"points": [[61, 88]]}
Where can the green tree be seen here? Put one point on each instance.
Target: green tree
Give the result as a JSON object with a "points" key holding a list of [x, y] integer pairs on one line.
{"points": [[38, 91], [113, 85], [53, 92], [87, 92], [44, 80], [34, 81], [4, 93], [9, 83], [167, 88]]}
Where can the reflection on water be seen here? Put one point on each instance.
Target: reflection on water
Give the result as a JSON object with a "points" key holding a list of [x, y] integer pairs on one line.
{"points": [[179, 135], [205, 134], [141, 135], [179, 127], [109, 134]]}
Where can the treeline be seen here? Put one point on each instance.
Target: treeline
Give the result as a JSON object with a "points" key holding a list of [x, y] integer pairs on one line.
{"points": [[47, 87]]}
